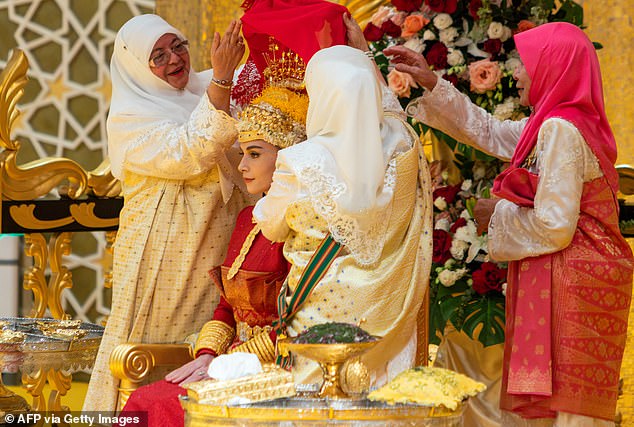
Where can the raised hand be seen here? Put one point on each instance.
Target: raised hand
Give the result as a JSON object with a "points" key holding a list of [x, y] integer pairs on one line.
{"points": [[227, 51], [412, 63], [354, 34]]}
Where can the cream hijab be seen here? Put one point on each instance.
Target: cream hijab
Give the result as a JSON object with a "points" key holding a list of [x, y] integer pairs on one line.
{"points": [[140, 99], [347, 162]]}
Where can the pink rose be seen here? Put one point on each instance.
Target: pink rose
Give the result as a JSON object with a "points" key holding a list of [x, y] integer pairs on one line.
{"points": [[413, 24], [484, 75], [401, 83]]}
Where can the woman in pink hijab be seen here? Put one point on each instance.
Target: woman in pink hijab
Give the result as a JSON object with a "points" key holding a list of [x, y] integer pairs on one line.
{"points": [[555, 220]]}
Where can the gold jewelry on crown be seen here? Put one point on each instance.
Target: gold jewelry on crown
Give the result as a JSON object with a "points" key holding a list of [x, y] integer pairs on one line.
{"points": [[283, 67], [278, 116]]}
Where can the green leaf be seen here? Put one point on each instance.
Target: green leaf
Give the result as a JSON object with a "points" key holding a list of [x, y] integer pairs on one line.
{"points": [[485, 321]]}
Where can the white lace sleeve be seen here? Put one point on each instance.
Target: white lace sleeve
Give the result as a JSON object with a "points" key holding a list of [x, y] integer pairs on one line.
{"points": [[390, 101], [180, 151], [564, 162], [270, 210], [447, 109]]}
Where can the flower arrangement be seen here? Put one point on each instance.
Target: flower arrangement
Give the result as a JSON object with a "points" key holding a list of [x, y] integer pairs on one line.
{"points": [[470, 44], [466, 288]]}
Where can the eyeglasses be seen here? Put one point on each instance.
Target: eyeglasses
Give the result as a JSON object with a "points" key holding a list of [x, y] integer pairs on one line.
{"points": [[163, 57]]}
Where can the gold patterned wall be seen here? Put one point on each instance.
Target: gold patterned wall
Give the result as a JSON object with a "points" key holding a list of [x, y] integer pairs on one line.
{"points": [[610, 22]]}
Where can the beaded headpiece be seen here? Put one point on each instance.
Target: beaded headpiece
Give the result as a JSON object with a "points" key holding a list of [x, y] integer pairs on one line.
{"points": [[278, 116]]}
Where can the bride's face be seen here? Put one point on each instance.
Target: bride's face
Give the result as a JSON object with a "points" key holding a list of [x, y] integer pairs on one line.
{"points": [[257, 165]]}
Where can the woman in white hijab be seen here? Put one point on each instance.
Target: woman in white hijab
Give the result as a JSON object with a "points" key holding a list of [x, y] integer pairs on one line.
{"points": [[169, 136], [362, 178]]}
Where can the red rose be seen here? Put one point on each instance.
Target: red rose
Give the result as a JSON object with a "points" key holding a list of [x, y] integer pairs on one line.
{"points": [[474, 6], [440, 6], [492, 46], [441, 246], [372, 33], [451, 78], [488, 278], [460, 222], [447, 192], [407, 5], [391, 29], [437, 56]]}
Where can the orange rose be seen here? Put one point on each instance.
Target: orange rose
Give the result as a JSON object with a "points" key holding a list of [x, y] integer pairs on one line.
{"points": [[524, 25], [484, 75], [413, 24], [400, 83]]}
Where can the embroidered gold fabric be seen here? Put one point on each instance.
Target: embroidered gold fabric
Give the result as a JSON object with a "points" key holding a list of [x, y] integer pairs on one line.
{"points": [[246, 246], [215, 335]]}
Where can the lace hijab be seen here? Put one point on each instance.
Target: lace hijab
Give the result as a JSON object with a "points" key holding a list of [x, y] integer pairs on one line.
{"points": [[347, 163], [140, 99]]}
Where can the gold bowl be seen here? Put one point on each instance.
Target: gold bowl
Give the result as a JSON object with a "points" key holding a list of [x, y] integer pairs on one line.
{"points": [[330, 358]]}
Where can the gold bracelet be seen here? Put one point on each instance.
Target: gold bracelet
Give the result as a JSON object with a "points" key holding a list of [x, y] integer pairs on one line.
{"points": [[222, 84], [215, 335]]}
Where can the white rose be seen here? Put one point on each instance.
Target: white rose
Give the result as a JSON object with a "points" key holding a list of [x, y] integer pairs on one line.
{"points": [[512, 63], [440, 203], [429, 35], [504, 110], [449, 278], [465, 214], [415, 44], [466, 185], [507, 33], [458, 248], [442, 224], [448, 35], [496, 30], [442, 21], [455, 57], [504, 288]]}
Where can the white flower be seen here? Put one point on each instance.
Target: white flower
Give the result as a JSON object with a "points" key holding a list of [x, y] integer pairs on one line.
{"points": [[465, 214], [415, 44], [442, 21], [507, 33], [429, 35], [448, 35], [475, 51], [512, 63], [458, 248], [504, 288], [495, 30], [442, 224], [440, 203], [455, 57], [466, 185], [504, 111], [449, 278]]}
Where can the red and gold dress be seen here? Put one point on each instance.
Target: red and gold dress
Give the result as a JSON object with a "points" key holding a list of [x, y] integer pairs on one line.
{"points": [[249, 281]]}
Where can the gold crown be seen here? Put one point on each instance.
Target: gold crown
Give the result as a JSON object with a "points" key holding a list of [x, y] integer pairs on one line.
{"points": [[283, 67], [278, 116]]}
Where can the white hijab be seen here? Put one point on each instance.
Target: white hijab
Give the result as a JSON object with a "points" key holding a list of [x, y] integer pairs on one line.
{"points": [[347, 161], [140, 99]]}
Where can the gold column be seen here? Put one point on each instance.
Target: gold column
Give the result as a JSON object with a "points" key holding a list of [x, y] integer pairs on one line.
{"points": [[609, 22]]}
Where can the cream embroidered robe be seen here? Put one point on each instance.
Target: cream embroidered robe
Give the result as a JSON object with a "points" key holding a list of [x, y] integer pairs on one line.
{"points": [[173, 229]]}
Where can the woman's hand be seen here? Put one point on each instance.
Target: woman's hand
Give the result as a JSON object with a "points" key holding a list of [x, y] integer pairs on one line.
{"points": [[195, 370], [226, 52], [482, 212], [354, 34], [412, 63]]}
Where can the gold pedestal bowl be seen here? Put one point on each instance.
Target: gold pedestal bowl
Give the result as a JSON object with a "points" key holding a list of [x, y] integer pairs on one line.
{"points": [[330, 358]]}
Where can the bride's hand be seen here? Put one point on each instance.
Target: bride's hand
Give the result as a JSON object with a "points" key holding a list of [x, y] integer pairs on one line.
{"points": [[195, 370], [354, 34]]}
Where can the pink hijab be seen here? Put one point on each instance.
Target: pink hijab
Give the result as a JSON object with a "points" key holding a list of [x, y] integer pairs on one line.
{"points": [[565, 82]]}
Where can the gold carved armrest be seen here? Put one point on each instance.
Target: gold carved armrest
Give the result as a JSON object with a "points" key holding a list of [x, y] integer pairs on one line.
{"points": [[133, 363]]}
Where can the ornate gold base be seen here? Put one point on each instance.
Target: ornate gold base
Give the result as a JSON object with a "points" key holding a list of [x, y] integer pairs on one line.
{"points": [[11, 403]]}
